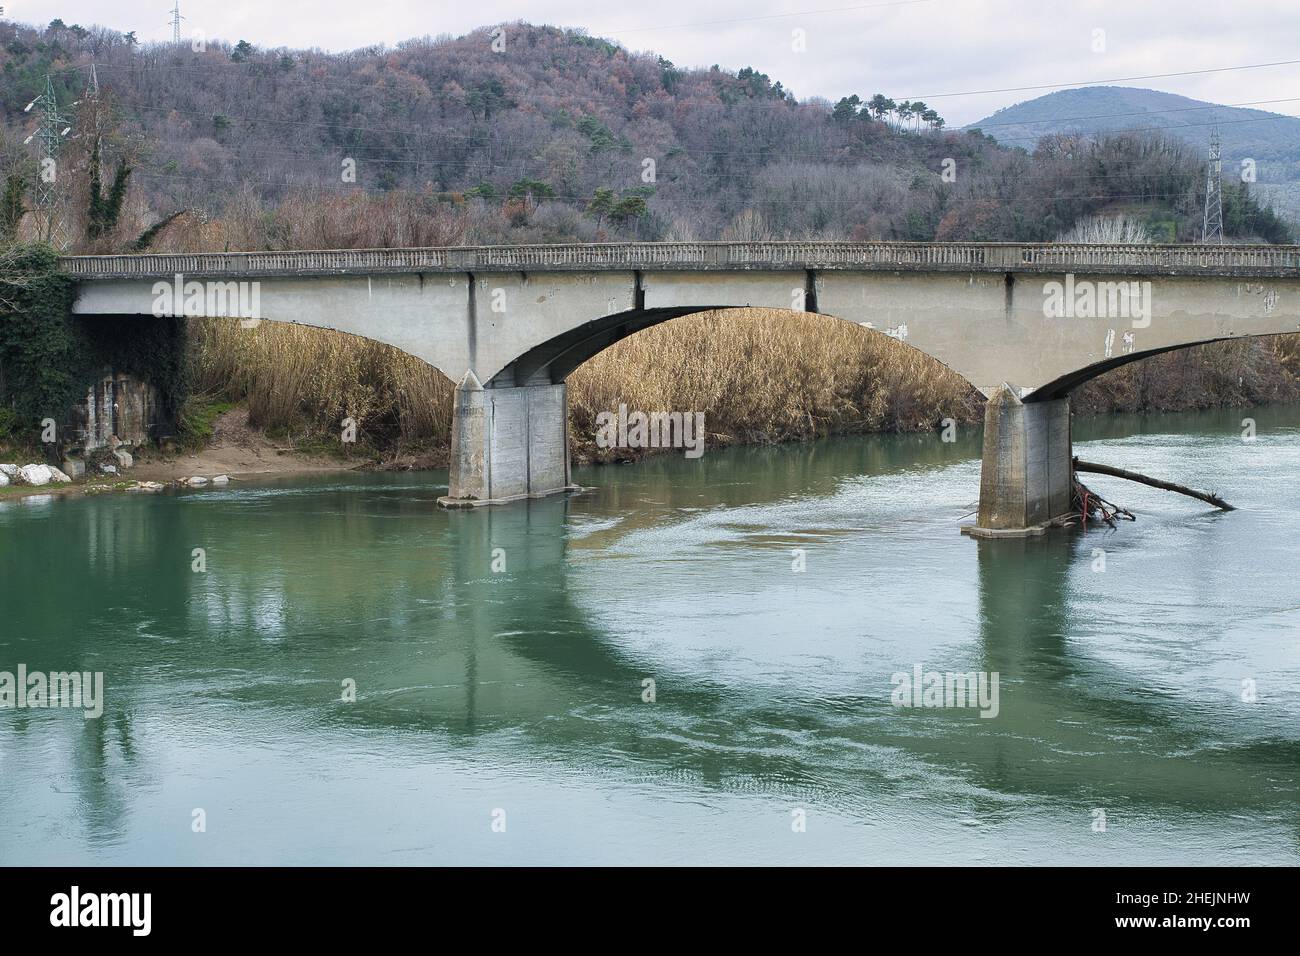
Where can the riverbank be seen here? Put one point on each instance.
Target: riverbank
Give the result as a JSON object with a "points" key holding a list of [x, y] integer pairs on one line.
{"points": [[238, 451], [235, 451]]}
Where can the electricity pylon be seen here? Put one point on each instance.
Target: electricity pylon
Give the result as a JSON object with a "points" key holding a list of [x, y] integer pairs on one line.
{"points": [[54, 125], [1212, 225]]}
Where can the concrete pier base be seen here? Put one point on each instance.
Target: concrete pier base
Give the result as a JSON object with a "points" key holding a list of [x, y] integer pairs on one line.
{"points": [[1025, 476], [507, 444]]}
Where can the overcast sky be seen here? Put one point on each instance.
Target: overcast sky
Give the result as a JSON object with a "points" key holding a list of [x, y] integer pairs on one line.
{"points": [[914, 49]]}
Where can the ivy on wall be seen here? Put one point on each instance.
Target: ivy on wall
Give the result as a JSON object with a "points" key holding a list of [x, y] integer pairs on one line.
{"points": [[49, 357], [44, 355], [149, 349]]}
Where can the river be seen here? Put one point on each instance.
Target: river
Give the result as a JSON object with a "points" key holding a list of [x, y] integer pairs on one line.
{"points": [[1149, 677]]}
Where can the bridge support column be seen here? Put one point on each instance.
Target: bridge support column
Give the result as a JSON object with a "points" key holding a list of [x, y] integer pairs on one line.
{"points": [[507, 443], [1025, 482]]}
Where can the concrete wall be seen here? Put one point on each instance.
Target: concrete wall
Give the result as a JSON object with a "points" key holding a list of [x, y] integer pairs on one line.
{"points": [[989, 327], [517, 312], [445, 319], [1025, 479], [706, 290], [117, 406], [993, 329], [508, 443], [425, 316]]}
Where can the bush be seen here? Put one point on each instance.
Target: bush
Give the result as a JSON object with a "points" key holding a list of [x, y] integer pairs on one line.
{"points": [[49, 358], [194, 423], [44, 354], [8, 423]]}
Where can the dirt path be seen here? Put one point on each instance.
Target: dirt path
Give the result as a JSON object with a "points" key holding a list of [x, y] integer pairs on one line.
{"points": [[235, 450]]}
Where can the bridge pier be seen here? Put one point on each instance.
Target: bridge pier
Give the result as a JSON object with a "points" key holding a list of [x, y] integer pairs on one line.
{"points": [[507, 443], [1025, 484]]}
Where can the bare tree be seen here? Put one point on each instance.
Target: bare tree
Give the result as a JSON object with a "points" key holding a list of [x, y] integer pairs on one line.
{"points": [[1107, 229], [749, 226]]}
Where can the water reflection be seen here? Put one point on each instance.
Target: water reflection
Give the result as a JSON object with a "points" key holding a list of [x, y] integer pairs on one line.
{"points": [[767, 681]]}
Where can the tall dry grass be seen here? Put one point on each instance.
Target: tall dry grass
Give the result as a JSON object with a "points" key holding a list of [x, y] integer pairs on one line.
{"points": [[765, 376], [321, 219], [1254, 371], [302, 382], [758, 375]]}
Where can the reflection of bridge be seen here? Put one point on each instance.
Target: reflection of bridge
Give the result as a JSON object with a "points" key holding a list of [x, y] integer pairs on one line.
{"points": [[511, 322], [450, 657]]}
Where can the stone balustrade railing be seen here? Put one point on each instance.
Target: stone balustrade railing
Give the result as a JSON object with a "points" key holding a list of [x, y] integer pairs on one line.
{"points": [[676, 256]]}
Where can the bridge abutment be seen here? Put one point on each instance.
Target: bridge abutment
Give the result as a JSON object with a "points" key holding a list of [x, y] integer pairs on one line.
{"points": [[1025, 482], [507, 443]]}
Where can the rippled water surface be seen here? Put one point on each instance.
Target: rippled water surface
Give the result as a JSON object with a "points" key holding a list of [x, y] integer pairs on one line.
{"points": [[522, 691]]}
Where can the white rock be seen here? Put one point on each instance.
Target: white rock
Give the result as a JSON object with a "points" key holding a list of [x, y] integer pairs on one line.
{"points": [[35, 475], [58, 476], [146, 486], [108, 469], [124, 458], [4, 479], [196, 481], [221, 480], [9, 471]]}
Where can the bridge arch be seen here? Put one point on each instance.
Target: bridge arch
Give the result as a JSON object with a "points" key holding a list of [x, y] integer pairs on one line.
{"points": [[552, 361], [1062, 386]]}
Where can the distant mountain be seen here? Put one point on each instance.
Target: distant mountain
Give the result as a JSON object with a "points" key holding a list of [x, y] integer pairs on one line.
{"points": [[1270, 139]]}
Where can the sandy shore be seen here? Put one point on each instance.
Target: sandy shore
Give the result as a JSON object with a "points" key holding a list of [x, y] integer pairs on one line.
{"points": [[235, 450]]}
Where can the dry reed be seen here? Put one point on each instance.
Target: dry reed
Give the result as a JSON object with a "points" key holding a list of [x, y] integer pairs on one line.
{"points": [[758, 375]]}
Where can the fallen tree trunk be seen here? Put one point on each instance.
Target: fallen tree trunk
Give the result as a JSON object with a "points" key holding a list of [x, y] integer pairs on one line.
{"points": [[1205, 496]]}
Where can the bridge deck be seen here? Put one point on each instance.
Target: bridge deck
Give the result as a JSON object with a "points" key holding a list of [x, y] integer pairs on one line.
{"points": [[1107, 259]]}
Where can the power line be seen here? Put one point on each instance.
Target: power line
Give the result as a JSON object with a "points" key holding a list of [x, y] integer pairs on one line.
{"points": [[931, 96], [439, 165], [427, 134], [1119, 79], [1172, 109], [1114, 168], [1009, 89], [270, 74], [1036, 202], [467, 164], [1169, 129], [770, 16], [476, 144]]}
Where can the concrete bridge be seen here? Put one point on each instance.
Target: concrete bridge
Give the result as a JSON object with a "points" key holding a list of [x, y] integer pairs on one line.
{"points": [[1024, 323]]}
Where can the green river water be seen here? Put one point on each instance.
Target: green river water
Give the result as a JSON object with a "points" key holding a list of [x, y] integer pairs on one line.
{"points": [[515, 697]]}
